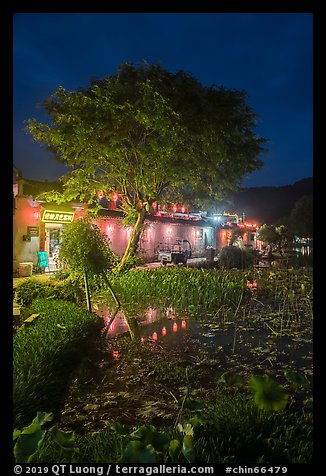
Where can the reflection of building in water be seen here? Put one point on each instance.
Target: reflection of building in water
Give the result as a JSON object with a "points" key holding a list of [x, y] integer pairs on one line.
{"points": [[163, 325]]}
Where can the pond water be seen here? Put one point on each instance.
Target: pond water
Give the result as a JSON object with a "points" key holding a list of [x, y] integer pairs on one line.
{"points": [[241, 336], [162, 326], [134, 384]]}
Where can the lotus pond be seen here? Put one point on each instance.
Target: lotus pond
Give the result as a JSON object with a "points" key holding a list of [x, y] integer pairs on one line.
{"points": [[227, 353]]}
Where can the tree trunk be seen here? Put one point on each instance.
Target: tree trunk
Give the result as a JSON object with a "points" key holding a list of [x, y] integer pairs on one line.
{"points": [[133, 241], [88, 296]]}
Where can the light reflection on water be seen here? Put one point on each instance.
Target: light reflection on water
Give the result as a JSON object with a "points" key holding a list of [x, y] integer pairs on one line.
{"points": [[165, 328], [156, 324], [303, 250]]}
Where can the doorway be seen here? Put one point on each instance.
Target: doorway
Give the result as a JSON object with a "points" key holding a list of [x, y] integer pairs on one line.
{"points": [[53, 237]]}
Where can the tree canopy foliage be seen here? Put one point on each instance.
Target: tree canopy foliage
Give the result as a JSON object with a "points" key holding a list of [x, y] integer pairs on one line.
{"points": [[277, 237], [302, 217], [150, 135]]}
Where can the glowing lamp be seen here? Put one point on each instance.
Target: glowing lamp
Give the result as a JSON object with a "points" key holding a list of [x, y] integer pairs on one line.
{"points": [[175, 327], [164, 331], [115, 354], [183, 324], [154, 336], [174, 208], [183, 209]]}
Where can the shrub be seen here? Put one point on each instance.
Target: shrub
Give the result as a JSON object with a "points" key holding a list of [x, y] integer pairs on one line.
{"points": [[30, 289], [234, 257], [84, 247], [70, 289], [46, 352], [61, 274]]}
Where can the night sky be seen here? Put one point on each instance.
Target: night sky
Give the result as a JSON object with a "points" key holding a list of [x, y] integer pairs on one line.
{"points": [[269, 55]]}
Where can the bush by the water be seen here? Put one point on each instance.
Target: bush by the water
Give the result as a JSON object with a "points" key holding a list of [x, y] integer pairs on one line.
{"points": [[30, 289], [69, 289], [46, 352], [235, 257]]}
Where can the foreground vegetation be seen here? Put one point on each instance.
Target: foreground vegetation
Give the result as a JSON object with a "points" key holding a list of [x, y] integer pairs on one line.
{"points": [[235, 385]]}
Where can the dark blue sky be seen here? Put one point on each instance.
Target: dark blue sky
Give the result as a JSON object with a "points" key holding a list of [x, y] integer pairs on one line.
{"points": [[269, 55]]}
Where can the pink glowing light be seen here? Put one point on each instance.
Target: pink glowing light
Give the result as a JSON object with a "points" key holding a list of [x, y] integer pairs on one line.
{"points": [[154, 336], [164, 331], [183, 324], [175, 327], [252, 286]]}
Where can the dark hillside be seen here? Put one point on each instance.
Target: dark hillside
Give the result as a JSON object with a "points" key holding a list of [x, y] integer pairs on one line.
{"points": [[267, 204]]}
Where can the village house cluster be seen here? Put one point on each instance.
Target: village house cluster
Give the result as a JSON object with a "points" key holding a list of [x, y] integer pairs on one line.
{"points": [[38, 226]]}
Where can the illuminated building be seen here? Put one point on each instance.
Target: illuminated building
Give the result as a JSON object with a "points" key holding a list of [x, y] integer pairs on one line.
{"points": [[38, 226]]}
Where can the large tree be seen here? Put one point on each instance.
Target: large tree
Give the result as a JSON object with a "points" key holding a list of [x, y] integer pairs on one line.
{"points": [[302, 217], [277, 237], [150, 135]]}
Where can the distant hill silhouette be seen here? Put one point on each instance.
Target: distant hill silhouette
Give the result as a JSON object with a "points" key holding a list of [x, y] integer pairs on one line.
{"points": [[270, 204]]}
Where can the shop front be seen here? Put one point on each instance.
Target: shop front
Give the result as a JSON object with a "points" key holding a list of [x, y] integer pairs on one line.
{"points": [[54, 220]]}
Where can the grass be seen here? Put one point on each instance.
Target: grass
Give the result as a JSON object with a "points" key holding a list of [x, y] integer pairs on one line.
{"points": [[45, 353]]}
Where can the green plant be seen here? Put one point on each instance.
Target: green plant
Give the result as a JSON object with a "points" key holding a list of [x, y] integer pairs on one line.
{"points": [[186, 289], [297, 379], [84, 247], [45, 353], [28, 441], [268, 394], [70, 288], [30, 289], [237, 431], [146, 444], [61, 274], [235, 257]]}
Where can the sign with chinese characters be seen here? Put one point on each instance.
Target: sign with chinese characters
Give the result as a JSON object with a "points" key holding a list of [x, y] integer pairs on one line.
{"points": [[32, 230], [53, 216]]}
